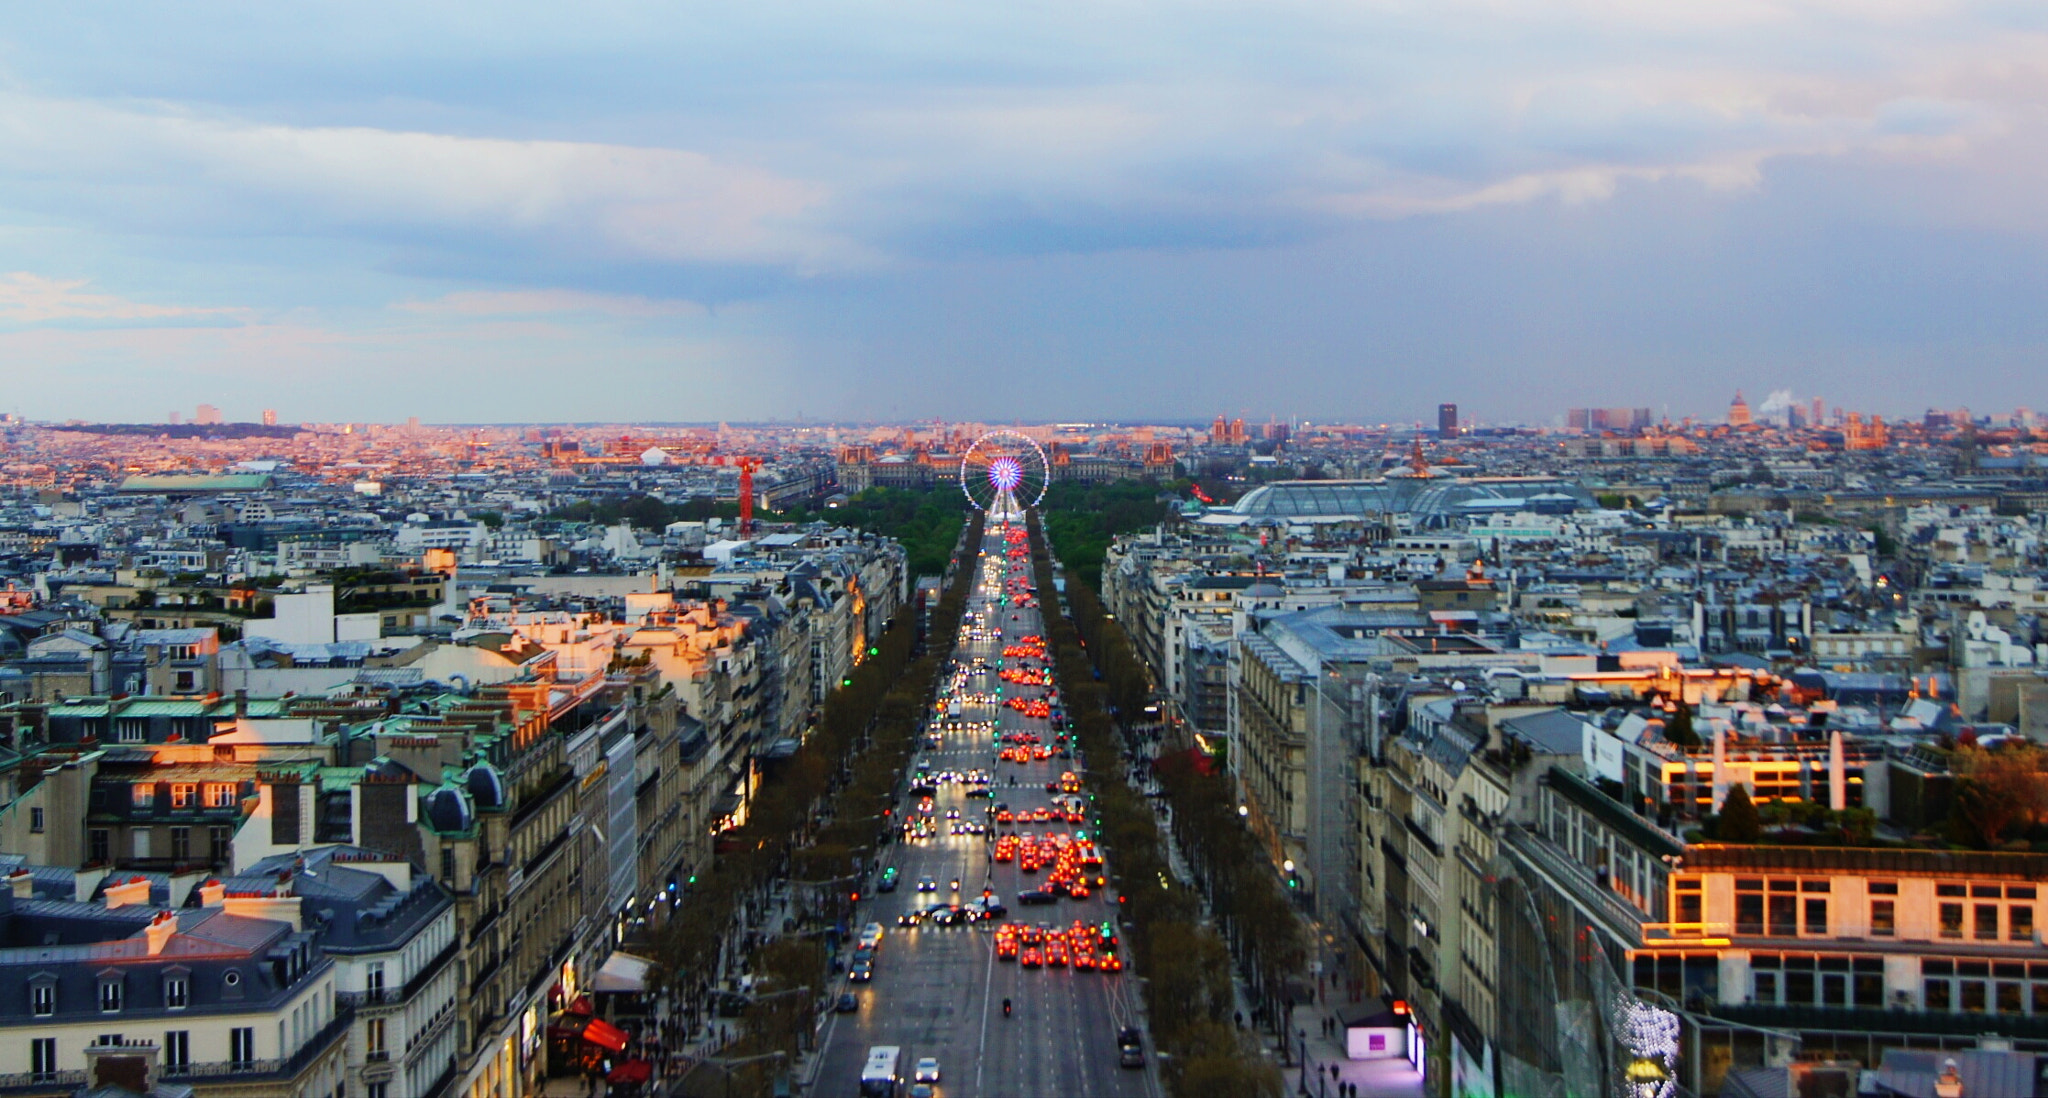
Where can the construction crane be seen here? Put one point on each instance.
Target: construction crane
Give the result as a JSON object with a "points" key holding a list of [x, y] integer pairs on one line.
{"points": [[747, 464]]}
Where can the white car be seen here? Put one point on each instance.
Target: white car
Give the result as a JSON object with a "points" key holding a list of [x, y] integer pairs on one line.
{"points": [[927, 1070]]}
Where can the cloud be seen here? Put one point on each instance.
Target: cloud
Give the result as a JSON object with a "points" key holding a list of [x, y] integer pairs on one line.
{"points": [[499, 303], [31, 299], [665, 204]]}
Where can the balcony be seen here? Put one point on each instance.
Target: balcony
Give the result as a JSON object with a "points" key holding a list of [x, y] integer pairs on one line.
{"points": [[1851, 1020], [41, 1081], [322, 1042], [1572, 881]]}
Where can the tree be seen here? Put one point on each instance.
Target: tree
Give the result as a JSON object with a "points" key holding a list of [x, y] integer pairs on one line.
{"points": [[1679, 728], [1738, 822], [1999, 793]]}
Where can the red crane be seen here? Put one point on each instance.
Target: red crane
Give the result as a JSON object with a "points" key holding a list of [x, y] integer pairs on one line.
{"points": [[747, 465]]}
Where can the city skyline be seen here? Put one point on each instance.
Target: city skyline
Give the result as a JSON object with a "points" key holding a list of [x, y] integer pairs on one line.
{"points": [[1082, 213]]}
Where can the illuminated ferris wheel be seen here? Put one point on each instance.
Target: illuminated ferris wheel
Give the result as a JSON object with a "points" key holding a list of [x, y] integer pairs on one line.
{"points": [[1004, 473]]}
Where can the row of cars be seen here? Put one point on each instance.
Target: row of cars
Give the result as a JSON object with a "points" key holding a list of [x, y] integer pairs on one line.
{"points": [[1085, 947]]}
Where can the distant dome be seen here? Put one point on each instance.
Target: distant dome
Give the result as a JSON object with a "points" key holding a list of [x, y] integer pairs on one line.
{"points": [[654, 455], [448, 810], [485, 786]]}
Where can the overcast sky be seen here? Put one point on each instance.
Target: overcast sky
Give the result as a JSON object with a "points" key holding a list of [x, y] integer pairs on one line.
{"points": [[1323, 211]]}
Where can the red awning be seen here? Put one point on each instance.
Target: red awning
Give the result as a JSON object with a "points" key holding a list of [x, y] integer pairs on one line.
{"points": [[632, 1071], [580, 1005], [601, 1032]]}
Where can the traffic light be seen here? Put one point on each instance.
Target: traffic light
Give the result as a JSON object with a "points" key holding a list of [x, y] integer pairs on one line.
{"points": [[856, 897]]}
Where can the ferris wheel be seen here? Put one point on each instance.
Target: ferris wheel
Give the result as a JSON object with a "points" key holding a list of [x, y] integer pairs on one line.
{"points": [[1004, 473]]}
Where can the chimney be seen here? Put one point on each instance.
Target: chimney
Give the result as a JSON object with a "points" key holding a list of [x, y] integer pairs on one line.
{"points": [[134, 890], [159, 932], [23, 884], [212, 893], [241, 705]]}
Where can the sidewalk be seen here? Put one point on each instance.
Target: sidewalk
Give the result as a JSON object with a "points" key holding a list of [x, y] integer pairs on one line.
{"points": [[1385, 1078]]}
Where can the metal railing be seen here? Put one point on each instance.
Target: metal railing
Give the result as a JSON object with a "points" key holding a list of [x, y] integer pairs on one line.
{"points": [[1574, 882]]}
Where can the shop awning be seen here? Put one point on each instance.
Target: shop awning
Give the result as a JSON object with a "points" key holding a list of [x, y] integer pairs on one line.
{"points": [[595, 1030], [622, 972], [605, 1034], [632, 1071]]}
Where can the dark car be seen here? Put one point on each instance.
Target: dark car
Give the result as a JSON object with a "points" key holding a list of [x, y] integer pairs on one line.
{"points": [[861, 972], [1036, 896], [848, 1003], [889, 880]]}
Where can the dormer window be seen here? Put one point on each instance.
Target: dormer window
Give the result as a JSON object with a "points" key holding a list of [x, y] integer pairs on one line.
{"points": [[177, 992], [220, 794], [110, 994], [42, 996], [143, 795]]}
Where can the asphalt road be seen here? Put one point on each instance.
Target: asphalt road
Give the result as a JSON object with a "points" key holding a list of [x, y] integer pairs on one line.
{"points": [[938, 991]]}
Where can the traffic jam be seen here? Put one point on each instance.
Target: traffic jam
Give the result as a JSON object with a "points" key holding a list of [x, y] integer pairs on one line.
{"points": [[1042, 851]]}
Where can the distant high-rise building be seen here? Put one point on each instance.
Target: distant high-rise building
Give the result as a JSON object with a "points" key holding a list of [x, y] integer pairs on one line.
{"points": [[1738, 411], [1609, 419], [270, 417], [1819, 413], [1447, 421], [206, 415], [175, 418], [412, 425]]}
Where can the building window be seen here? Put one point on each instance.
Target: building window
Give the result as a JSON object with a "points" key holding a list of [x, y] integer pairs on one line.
{"points": [[1951, 920], [373, 1037], [177, 1051], [220, 794], [177, 992], [1688, 907], [2019, 922], [220, 840], [2009, 997], [110, 996], [1816, 916], [184, 683], [1987, 922], [1763, 988], [182, 794], [42, 999], [1973, 996], [1784, 914], [140, 840], [131, 731], [181, 844], [1749, 907], [242, 1045], [1937, 1000], [143, 795], [378, 1090], [35, 821], [1883, 923], [42, 1057], [373, 977]]}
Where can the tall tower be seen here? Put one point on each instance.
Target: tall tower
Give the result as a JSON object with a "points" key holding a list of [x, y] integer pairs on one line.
{"points": [[270, 417], [1447, 421], [1738, 411]]}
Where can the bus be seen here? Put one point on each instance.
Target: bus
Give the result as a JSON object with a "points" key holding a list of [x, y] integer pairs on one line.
{"points": [[878, 1079]]}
